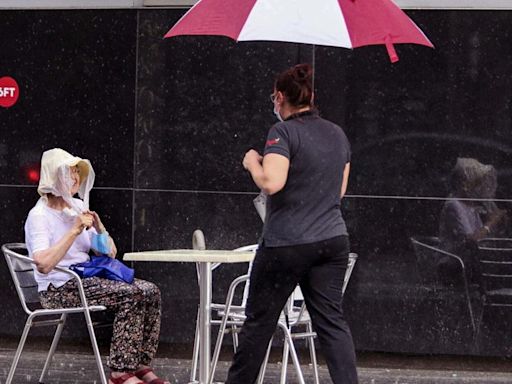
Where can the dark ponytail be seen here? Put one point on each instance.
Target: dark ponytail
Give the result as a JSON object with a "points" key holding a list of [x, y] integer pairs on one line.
{"points": [[296, 84]]}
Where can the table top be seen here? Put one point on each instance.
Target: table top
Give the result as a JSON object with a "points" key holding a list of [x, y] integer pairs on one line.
{"points": [[191, 255]]}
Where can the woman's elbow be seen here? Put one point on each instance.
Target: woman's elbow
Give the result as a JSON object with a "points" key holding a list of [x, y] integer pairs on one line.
{"points": [[41, 265], [272, 188], [44, 269]]}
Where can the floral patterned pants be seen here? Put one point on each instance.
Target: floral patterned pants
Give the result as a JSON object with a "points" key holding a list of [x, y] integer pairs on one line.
{"points": [[137, 309]]}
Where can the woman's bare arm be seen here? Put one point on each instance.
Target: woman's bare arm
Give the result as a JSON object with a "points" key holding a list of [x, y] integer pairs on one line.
{"points": [[268, 173], [47, 259]]}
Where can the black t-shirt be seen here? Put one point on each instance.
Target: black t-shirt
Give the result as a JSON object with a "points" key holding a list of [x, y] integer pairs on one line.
{"points": [[307, 209]]}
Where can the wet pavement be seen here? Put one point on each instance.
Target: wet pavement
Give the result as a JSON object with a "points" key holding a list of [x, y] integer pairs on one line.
{"points": [[75, 364]]}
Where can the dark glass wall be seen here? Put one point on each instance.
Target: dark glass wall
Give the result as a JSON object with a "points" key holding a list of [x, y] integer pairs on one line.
{"points": [[165, 123]]}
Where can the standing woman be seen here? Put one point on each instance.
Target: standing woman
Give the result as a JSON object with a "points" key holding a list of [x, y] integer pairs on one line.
{"points": [[304, 170]]}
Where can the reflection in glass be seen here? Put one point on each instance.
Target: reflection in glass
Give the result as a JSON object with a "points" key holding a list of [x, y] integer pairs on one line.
{"points": [[468, 216]]}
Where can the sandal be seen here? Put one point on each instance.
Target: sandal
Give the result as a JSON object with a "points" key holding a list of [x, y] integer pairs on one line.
{"points": [[123, 378], [143, 372]]}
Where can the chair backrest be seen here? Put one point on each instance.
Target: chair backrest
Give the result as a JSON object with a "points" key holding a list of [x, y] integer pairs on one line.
{"points": [[296, 303], [428, 255], [199, 243], [253, 248], [495, 257], [352, 259], [500, 245], [20, 268]]}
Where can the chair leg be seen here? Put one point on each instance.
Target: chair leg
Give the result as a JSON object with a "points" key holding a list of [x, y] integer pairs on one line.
{"points": [[470, 307], [195, 354], [293, 352], [234, 329], [284, 362], [312, 353], [53, 347], [478, 326], [263, 367], [218, 343], [95, 348], [17, 355]]}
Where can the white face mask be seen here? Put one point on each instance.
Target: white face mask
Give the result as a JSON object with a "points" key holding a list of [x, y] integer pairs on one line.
{"points": [[276, 112]]}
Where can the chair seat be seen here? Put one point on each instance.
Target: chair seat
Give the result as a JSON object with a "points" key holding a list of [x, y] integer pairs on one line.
{"points": [[235, 313], [295, 316]]}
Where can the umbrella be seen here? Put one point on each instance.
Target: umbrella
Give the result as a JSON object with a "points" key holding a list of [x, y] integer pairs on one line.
{"points": [[338, 23]]}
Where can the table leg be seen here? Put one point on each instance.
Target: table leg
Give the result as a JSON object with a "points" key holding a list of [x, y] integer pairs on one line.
{"points": [[205, 299]]}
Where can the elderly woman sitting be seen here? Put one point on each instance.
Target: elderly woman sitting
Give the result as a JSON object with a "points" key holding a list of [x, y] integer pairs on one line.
{"points": [[58, 232], [468, 216]]}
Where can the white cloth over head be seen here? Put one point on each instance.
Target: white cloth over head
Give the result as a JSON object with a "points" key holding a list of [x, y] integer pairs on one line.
{"points": [[55, 177]]}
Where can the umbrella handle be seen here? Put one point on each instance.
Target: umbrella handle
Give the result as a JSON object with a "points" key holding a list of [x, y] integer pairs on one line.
{"points": [[393, 57]]}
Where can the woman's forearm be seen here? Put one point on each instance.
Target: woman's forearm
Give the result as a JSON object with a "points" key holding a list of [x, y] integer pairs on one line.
{"points": [[479, 234], [258, 175], [47, 260]]}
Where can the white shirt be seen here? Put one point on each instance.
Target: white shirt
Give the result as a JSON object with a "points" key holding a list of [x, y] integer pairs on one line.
{"points": [[44, 227]]}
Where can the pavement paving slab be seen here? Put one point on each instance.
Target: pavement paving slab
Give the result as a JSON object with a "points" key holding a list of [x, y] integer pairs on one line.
{"points": [[80, 368]]}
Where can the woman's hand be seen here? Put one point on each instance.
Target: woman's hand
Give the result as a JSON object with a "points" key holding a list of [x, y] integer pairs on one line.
{"points": [[97, 224], [83, 221], [113, 248], [251, 158], [100, 228], [495, 218]]}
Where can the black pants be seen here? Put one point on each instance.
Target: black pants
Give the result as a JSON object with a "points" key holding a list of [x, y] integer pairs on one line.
{"points": [[319, 268]]}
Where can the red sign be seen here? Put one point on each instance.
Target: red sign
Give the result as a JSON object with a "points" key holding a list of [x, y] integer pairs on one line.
{"points": [[9, 92]]}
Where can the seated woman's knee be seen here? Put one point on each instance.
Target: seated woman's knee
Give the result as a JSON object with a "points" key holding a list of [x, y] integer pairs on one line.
{"points": [[149, 290]]}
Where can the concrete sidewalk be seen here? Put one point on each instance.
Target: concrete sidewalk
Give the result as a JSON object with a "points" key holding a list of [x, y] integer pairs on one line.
{"points": [[72, 366]]}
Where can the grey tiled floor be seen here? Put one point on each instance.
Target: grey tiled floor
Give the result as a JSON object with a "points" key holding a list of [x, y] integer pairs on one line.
{"points": [[77, 366]]}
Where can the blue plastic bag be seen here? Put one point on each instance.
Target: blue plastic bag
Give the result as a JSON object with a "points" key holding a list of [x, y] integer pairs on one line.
{"points": [[104, 267]]}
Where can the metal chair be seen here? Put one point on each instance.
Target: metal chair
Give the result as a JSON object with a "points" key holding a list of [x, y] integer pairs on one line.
{"points": [[20, 268], [291, 318], [230, 316], [495, 256], [428, 254], [218, 309], [298, 317]]}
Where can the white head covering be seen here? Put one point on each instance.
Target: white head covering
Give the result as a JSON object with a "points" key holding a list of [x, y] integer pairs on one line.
{"points": [[474, 179], [56, 177]]}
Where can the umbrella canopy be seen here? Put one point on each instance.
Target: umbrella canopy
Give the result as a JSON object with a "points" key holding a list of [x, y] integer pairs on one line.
{"points": [[338, 23]]}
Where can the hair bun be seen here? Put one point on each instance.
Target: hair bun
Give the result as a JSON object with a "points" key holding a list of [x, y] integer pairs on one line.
{"points": [[302, 72], [296, 83]]}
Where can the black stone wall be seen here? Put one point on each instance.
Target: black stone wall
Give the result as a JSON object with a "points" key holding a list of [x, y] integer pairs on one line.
{"points": [[165, 124]]}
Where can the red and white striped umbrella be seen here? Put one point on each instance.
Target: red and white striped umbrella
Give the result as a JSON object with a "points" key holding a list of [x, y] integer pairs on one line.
{"points": [[338, 23]]}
